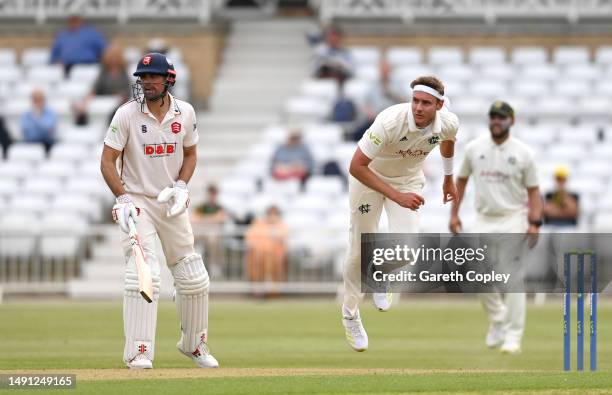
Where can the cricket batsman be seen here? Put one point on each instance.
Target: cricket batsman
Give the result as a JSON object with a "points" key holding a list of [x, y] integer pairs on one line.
{"points": [[148, 158], [387, 172], [507, 201]]}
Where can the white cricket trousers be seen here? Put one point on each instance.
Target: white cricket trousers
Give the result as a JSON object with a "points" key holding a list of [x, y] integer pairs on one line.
{"points": [[510, 310], [366, 207]]}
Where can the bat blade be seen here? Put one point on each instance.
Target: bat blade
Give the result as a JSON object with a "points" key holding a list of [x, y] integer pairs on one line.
{"points": [[145, 280]]}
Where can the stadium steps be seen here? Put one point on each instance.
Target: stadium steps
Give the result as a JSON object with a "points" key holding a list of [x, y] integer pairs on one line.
{"points": [[262, 65]]}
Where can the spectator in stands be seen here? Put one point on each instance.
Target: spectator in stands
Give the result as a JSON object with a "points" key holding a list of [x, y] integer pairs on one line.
{"points": [[158, 45], [292, 160], [5, 136], [38, 124], [332, 59], [344, 110], [211, 215], [77, 44], [113, 80], [266, 241], [381, 95], [561, 206]]}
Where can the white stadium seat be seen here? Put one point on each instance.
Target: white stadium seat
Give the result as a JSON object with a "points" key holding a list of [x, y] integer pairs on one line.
{"points": [[56, 169], [529, 55], [35, 57], [400, 56], [47, 74], [445, 55], [583, 72], [26, 152], [368, 73], [93, 187], [239, 186], [330, 187], [572, 88], [499, 72], [84, 74], [326, 89], [305, 109], [42, 186], [313, 204], [34, 205], [570, 55], [365, 55], [487, 56], [286, 188], [80, 205], [545, 72], [456, 72], [61, 235], [603, 56], [18, 234], [322, 134], [8, 56], [68, 151], [16, 170], [73, 90], [8, 187]]}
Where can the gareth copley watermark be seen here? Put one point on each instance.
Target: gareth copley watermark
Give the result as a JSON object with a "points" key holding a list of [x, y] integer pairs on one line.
{"points": [[412, 256]]}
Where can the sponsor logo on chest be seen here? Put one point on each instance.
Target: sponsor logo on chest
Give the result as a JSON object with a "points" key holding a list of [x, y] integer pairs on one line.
{"points": [[159, 150]]}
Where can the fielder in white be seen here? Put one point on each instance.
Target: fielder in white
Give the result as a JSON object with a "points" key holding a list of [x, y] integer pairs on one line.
{"points": [[148, 158], [507, 201], [387, 172]]}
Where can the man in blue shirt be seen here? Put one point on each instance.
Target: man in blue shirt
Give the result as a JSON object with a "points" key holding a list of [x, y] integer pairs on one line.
{"points": [[38, 124], [77, 44]]}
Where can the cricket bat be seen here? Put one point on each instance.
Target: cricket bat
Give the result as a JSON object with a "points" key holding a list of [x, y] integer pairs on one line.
{"points": [[145, 282]]}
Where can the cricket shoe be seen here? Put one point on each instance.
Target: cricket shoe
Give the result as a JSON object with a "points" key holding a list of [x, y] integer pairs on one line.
{"points": [[511, 347], [495, 335], [201, 356], [355, 333], [383, 301], [140, 361]]}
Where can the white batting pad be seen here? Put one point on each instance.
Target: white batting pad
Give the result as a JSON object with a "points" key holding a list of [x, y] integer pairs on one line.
{"points": [[191, 282], [139, 317]]}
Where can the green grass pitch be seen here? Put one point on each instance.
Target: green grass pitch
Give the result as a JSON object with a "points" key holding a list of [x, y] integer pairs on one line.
{"points": [[423, 345]]}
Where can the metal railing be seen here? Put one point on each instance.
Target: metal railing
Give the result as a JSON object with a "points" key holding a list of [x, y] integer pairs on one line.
{"points": [[487, 10], [120, 11]]}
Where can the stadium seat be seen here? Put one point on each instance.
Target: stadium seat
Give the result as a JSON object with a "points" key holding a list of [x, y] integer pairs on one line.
{"points": [[582, 72], [286, 188], [77, 204], [409, 73], [368, 73], [306, 109], [445, 55], [401, 56], [95, 188], [603, 56], [69, 151], [572, 89], [25, 152], [488, 90], [45, 74], [357, 90], [18, 234], [259, 203], [15, 170], [73, 90], [498, 72], [480, 56], [529, 56], [61, 235], [314, 204], [456, 72], [322, 134], [8, 56], [102, 106], [35, 57], [365, 55], [240, 186], [326, 89], [8, 187], [42, 186], [56, 169], [543, 72], [570, 55], [34, 205], [329, 187], [84, 74]]}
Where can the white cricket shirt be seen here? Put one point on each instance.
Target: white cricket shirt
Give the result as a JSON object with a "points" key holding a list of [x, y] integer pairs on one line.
{"points": [[501, 173], [152, 153], [398, 147]]}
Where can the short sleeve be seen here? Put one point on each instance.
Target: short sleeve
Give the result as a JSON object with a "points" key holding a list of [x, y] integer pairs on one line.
{"points": [[530, 173], [191, 135], [374, 139], [450, 125], [466, 166], [118, 131]]}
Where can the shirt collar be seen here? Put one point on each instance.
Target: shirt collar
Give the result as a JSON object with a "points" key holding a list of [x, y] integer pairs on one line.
{"points": [[502, 145], [436, 125], [173, 109]]}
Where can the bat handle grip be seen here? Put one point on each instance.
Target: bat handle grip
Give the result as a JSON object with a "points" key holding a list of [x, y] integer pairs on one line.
{"points": [[132, 226]]}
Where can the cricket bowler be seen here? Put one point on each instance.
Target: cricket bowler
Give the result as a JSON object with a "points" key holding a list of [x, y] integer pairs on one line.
{"points": [[148, 158], [387, 172], [507, 201]]}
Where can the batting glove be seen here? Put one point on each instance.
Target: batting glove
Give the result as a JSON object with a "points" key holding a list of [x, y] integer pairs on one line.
{"points": [[123, 209], [176, 197]]}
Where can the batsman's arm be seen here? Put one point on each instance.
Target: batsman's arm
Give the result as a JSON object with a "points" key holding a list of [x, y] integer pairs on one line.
{"points": [[460, 184], [360, 170], [109, 170], [190, 158]]}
